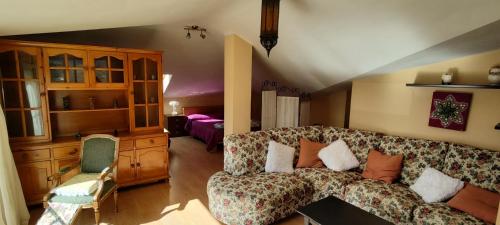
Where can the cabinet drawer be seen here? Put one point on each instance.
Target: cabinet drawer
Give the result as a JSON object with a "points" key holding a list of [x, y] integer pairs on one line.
{"points": [[66, 152], [150, 142], [27, 156], [126, 145]]}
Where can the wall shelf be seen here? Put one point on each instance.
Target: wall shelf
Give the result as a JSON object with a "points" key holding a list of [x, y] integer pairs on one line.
{"points": [[87, 110], [478, 86]]}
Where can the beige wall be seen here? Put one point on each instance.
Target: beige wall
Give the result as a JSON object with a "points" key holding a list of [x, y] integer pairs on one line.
{"points": [[237, 84], [329, 108], [383, 103], [196, 100]]}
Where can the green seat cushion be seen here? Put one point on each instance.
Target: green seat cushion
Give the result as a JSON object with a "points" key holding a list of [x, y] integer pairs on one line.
{"points": [[98, 153], [86, 199]]}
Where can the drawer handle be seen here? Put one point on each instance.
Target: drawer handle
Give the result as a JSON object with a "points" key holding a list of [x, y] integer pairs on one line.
{"points": [[152, 141], [73, 152]]}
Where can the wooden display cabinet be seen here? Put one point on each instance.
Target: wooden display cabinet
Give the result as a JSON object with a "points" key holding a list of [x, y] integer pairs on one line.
{"points": [[23, 94], [109, 90], [108, 69], [66, 68], [146, 92]]}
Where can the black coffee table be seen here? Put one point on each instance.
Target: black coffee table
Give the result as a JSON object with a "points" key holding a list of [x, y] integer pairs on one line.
{"points": [[333, 211]]}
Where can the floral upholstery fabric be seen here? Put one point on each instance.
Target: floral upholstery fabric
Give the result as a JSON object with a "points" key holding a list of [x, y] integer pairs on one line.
{"points": [[393, 202], [360, 142], [441, 213], [246, 153], [476, 166], [256, 199], [417, 155], [327, 182]]}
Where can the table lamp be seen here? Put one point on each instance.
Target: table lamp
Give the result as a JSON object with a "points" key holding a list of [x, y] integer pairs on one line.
{"points": [[174, 105]]}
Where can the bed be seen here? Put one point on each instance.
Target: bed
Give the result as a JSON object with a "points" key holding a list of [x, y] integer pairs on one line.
{"points": [[205, 123]]}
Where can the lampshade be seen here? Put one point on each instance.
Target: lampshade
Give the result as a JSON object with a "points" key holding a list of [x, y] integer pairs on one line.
{"points": [[269, 24], [173, 103]]}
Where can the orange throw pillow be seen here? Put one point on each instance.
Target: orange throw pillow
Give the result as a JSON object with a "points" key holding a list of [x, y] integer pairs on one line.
{"points": [[308, 155], [478, 202], [383, 167]]}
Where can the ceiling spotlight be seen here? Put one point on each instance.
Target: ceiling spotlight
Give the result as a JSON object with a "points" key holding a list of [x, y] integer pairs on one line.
{"points": [[202, 31]]}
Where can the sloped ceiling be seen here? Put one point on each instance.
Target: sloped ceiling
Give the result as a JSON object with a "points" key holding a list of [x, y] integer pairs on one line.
{"points": [[322, 42]]}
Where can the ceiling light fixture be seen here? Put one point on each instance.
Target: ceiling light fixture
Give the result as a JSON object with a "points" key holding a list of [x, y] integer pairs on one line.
{"points": [[202, 30], [269, 24]]}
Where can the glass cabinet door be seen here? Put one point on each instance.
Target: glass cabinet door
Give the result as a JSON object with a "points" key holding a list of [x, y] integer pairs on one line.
{"points": [[145, 91], [22, 93], [108, 69], [65, 68]]}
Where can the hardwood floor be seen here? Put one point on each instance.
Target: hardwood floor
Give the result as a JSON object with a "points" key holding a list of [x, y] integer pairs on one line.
{"points": [[182, 200]]}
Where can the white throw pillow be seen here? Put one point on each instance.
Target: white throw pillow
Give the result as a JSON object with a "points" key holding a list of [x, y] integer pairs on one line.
{"points": [[338, 157], [279, 158], [434, 186]]}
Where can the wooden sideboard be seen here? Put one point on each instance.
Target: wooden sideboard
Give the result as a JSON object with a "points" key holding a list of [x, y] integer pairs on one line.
{"points": [[53, 93]]}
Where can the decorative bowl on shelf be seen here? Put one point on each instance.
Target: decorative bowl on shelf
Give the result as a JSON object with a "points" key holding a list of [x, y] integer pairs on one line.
{"points": [[494, 75], [447, 78]]}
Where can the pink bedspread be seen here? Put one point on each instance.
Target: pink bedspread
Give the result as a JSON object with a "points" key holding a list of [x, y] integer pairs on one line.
{"points": [[205, 130]]}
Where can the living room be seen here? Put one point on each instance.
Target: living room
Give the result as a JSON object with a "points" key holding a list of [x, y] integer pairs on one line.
{"points": [[250, 112]]}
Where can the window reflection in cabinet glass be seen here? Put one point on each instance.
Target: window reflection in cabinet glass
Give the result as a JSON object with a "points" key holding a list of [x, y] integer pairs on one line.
{"points": [[140, 116], [34, 122], [8, 65], [117, 77], [139, 94], [31, 93], [138, 65], [101, 62], [57, 61], [101, 76], [57, 76], [151, 70], [153, 116], [27, 65], [11, 94], [76, 76], [14, 123], [74, 61], [116, 63]]}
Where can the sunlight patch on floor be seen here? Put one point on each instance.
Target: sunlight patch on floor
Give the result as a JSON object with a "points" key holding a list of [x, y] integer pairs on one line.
{"points": [[192, 213]]}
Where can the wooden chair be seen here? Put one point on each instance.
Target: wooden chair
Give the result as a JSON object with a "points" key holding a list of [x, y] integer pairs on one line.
{"points": [[98, 160]]}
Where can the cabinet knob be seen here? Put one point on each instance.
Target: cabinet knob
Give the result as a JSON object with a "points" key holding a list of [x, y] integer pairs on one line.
{"points": [[138, 165], [74, 151], [152, 141], [25, 155], [132, 165]]}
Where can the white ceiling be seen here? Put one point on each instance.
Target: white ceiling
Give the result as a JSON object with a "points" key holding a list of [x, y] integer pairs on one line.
{"points": [[322, 42]]}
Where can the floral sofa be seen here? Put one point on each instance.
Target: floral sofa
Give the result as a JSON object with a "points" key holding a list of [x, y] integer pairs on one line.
{"points": [[244, 194]]}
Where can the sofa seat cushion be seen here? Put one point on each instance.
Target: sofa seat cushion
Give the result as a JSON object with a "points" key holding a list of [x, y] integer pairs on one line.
{"points": [[417, 155], [327, 182], [441, 213], [393, 202], [479, 167], [256, 199]]}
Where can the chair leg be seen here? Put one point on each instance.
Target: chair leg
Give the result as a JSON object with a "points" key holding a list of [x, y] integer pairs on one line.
{"points": [[116, 200], [97, 216]]}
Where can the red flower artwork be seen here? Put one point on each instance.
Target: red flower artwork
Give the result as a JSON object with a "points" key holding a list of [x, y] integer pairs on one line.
{"points": [[450, 110]]}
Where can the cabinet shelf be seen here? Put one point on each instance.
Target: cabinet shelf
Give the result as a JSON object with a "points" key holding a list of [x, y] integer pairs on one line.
{"points": [[478, 86], [87, 110]]}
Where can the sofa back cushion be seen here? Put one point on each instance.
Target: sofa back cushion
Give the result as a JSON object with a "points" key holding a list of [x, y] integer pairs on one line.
{"points": [[360, 142], [417, 155], [246, 153], [479, 167]]}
